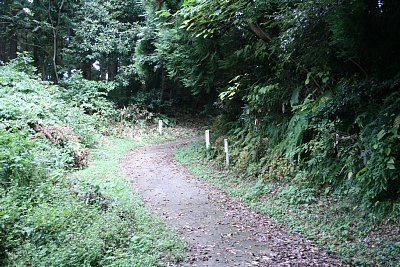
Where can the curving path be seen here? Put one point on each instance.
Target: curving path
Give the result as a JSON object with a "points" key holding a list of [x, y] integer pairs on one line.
{"points": [[220, 230]]}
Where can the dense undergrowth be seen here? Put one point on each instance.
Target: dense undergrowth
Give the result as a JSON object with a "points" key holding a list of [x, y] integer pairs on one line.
{"points": [[50, 216], [307, 91], [343, 140], [331, 219], [308, 95]]}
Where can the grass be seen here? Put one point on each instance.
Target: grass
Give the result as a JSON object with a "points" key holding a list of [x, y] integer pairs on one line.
{"points": [[90, 217], [147, 240], [332, 220]]}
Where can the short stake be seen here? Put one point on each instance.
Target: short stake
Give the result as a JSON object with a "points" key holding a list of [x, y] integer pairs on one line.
{"points": [[160, 126], [226, 152], [208, 144]]}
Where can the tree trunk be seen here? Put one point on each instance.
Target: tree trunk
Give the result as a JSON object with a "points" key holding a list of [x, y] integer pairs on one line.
{"points": [[44, 73], [162, 87], [2, 50], [3, 43], [39, 61], [86, 70], [112, 69], [171, 93], [56, 79], [103, 70], [13, 47]]}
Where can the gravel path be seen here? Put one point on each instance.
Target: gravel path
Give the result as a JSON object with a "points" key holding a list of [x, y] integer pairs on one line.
{"points": [[220, 230]]}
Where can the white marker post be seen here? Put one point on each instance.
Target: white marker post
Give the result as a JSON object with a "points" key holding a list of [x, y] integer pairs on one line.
{"points": [[208, 144], [226, 152], [160, 126]]}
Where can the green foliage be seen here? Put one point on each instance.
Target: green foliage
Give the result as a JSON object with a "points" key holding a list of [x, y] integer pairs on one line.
{"points": [[307, 91], [333, 220], [103, 31], [151, 100], [86, 218], [299, 92], [135, 115], [18, 164], [89, 218], [37, 107], [40, 135], [88, 95]]}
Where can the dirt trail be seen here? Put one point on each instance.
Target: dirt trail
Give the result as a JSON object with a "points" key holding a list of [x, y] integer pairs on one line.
{"points": [[220, 230]]}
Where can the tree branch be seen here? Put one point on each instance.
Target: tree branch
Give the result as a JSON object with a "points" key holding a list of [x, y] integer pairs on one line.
{"points": [[255, 28], [359, 66], [259, 32]]}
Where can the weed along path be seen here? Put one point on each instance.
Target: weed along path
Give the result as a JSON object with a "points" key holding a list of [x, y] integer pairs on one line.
{"points": [[220, 230]]}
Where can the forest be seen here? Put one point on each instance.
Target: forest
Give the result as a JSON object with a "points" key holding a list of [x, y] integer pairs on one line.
{"points": [[307, 92]]}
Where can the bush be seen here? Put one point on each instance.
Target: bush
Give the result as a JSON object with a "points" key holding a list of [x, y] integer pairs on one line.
{"points": [[91, 96], [48, 218], [346, 138], [18, 163]]}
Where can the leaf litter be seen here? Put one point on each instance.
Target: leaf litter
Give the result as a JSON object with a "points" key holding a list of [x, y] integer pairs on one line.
{"points": [[219, 229]]}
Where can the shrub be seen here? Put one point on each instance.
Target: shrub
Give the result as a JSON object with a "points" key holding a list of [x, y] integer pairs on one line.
{"points": [[46, 217], [91, 96]]}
